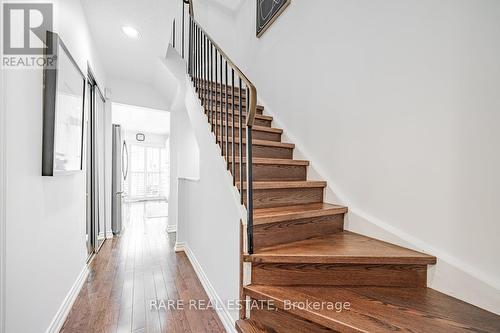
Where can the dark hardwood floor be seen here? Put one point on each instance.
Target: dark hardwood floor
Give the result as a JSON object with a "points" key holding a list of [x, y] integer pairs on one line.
{"points": [[132, 270]]}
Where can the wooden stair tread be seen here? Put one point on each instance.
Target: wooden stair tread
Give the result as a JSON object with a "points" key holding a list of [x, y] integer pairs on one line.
{"points": [[340, 248], [285, 184], [257, 116], [249, 326], [380, 309], [295, 212], [266, 143], [273, 161], [255, 127]]}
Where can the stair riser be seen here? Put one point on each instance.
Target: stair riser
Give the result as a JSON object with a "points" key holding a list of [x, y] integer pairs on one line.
{"points": [[257, 122], [290, 231], [282, 322], [213, 89], [266, 198], [272, 172], [256, 134], [262, 151], [340, 275]]}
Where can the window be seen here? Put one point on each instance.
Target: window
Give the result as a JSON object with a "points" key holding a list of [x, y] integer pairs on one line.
{"points": [[149, 170]]}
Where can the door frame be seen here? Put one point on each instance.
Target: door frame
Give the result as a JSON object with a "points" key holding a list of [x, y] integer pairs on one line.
{"points": [[94, 174]]}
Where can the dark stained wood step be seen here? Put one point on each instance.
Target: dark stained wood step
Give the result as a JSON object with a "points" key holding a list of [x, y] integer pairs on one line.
{"points": [[218, 94], [285, 193], [340, 248], [372, 309], [279, 321], [258, 132], [208, 103], [339, 275], [236, 89], [250, 326], [237, 111], [262, 148], [260, 120], [281, 225], [279, 214], [270, 169]]}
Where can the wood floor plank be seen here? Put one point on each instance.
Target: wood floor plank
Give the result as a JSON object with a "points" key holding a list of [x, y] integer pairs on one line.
{"points": [[128, 273]]}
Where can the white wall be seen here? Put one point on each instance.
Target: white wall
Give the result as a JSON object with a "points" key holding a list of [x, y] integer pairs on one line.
{"points": [[138, 94], [396, 104], [209, 216], [45, 215], [203, 204], [151, 139], [3, 237]]}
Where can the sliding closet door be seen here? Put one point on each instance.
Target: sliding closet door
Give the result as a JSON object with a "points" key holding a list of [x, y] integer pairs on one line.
{"points": [[90, 240], [100, 108], [96, 221]]}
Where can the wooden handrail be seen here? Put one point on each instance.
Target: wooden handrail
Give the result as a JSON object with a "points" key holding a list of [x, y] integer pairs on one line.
{"points": [[252, 98]]}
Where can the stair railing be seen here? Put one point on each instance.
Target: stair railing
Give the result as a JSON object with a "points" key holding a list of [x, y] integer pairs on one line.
{"points": [[218, 82]]}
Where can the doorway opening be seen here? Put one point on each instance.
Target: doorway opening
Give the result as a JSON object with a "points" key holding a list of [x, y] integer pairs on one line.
{"points": [[141, 163]]}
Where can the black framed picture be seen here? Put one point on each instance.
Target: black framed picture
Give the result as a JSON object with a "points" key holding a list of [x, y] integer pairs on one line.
{"points": [[63, 110], [267, 12]]}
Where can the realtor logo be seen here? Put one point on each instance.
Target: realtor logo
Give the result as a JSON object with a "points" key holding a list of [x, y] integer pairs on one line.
{"points": [[25, 26]]}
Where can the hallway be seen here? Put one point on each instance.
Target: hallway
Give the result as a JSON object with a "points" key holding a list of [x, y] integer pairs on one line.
{"points": [[134, 269]]}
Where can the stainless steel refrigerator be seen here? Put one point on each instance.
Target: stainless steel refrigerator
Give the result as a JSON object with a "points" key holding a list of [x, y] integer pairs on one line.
{"points": [[120, 172]]}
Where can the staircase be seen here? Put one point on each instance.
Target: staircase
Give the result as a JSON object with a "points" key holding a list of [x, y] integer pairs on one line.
{"points": [[308, 273]]}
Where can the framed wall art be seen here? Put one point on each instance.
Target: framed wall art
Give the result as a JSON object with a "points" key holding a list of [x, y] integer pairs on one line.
{"points": [[267, 12], [63, 110]]}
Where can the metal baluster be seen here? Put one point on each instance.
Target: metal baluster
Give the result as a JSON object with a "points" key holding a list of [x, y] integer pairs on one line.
{"points": [[227, 121], [196, 58], [221, 117], [199, 63], [233, 151], [215, 128], [249, 183], [202, 78], [211, 84], [190, 60], [173, 34], [183, 30], [207, 97], [240, 120]]}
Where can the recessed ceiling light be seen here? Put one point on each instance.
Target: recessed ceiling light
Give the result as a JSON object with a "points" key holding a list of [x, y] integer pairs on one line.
{"points": [[131, 32]]}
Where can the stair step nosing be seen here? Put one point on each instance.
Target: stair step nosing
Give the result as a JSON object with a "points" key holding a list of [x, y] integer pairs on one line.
{"points": [[257, 116], [266, 143], [263, 161], [299, 215], [255, 128], [340, 259], [271, 185]]}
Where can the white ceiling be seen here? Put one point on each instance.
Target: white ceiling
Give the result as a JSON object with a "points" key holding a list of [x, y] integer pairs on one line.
{"points": [[136, 118], [123, 57]]}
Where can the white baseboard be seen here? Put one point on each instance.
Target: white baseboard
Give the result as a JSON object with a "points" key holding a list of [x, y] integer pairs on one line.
{"points": [[109, 234], [58, 321], [179, 246], [224, 315], [171, 228]]}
